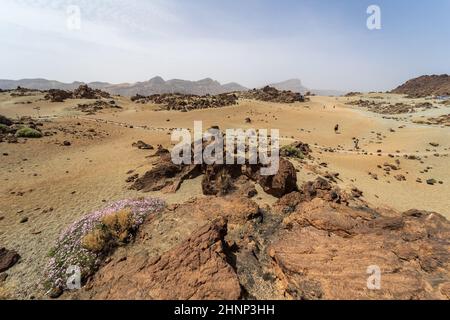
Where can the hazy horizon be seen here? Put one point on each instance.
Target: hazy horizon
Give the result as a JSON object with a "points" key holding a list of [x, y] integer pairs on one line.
{"points": [[325, 44]]}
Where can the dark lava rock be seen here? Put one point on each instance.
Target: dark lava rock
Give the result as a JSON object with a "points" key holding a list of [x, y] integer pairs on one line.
{"points": [[8, 258]]}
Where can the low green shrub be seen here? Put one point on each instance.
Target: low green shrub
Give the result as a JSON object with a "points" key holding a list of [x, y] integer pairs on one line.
{"points": [[28, 133], [3, 128], [290, 151]]}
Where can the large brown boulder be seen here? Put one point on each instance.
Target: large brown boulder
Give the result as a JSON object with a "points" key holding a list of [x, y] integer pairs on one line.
{"points": [[272, 94], [196, 269], [326, 250], [283, 182]]}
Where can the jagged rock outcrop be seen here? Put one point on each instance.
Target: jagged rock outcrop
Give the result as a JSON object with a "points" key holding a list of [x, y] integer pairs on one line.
{"points": [[5, 121], [283, 182], [57, 95], [319, 188], [187, 102], [82, 92], [196, 269], [326, 249], [142, 145], [434, 85], [320, 249], [218, 179], [85, 92]]}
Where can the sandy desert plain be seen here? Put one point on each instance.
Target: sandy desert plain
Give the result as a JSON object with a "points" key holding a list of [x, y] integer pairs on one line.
{"points": [[47, 184]]}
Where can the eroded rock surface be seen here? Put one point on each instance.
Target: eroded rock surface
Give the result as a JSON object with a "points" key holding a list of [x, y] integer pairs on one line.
{"points": [[196, 269], [218, 179], [325, 251]]}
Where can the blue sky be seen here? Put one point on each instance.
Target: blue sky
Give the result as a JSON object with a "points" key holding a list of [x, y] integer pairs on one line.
{"points": [[325, 43]]}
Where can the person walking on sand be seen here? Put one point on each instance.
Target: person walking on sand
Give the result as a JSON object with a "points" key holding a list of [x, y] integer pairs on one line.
{"points": [[356, 142], [336, 129]]}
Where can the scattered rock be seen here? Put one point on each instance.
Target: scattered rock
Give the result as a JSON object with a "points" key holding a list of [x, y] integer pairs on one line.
{"points": [[434, 144], [8, 258], [132, 178], [283, 182], [187, 102], [271, 94], [142, 145], [23, 220], [3, 277], [94, 107]]}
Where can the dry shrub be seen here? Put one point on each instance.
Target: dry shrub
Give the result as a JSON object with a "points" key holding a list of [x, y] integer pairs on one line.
{"points": [[114, 229], [95, 240], [119, 224], [89, 240]]}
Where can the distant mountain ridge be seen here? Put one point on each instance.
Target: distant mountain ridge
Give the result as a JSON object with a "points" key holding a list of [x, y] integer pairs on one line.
{"points": [[295, 85], [428, 85], [155, 85], [158, 85]]}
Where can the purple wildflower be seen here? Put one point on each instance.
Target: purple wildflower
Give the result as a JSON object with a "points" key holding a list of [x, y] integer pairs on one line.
{"points": [[69, 251]]}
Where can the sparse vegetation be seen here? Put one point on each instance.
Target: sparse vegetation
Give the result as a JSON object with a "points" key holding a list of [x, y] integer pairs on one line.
{"points": [[3, 128], [114, 229], [292, 152], [88, 241], [28, 133]]}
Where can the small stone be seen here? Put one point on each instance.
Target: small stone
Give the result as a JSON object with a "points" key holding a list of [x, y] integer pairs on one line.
{"points": [[23, 220], [434, 144], [55, 293]]}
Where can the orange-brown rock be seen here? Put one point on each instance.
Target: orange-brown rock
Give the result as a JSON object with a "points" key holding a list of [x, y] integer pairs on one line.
{"points": [[195, 269], [319, 188]]}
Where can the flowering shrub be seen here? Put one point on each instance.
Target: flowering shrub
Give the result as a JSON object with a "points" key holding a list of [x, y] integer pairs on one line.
{"points": [[114, 224]]}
